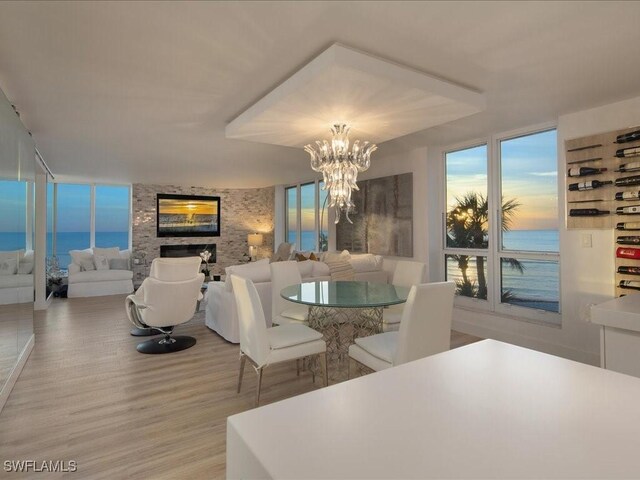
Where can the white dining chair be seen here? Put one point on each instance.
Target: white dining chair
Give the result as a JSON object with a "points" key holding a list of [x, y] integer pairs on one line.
{"points": [[406, 274], [283, 312], [425, 330], [265, 346]]}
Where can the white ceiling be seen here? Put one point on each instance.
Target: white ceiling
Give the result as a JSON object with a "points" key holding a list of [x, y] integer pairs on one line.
{"points": [[378, 100], [142, 92]]}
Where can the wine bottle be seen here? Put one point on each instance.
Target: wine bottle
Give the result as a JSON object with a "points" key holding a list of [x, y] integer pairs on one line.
{"points": [[627, 252], [627, 181], [629, 240], [628, 137], [587, 212], [628, 270], [635, 285], [628, 195], [590, 185], [630, 210], [628, 152], [628, 167], [628, 226], [584, 171]]}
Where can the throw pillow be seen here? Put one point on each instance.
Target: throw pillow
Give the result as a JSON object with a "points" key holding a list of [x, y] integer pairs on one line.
{"points": [[101, 262], [8, 266], [78, 255], [118, 264], [87, 265], [341, 270], [301, 257], [335, 256], [25, 268], [25, 265], [282, 253]]}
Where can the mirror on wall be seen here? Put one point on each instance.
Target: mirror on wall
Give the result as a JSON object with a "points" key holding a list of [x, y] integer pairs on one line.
{"points": [[17, 258]]}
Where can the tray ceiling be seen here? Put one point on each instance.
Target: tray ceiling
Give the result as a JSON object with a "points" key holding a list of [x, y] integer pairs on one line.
{"points": [[379, 99]]}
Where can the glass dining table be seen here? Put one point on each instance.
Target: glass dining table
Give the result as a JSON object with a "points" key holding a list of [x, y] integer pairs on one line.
{"points": [[343, 311]]}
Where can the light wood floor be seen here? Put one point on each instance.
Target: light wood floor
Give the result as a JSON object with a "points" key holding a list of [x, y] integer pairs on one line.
{"points": [[87, 395]]}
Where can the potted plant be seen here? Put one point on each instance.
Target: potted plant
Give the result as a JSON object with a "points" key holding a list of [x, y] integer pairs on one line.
{"points": [[205, 255]]}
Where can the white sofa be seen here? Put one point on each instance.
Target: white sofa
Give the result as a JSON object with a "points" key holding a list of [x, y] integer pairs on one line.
{"points": [[221, 315], [95, 283], [16, 285]]}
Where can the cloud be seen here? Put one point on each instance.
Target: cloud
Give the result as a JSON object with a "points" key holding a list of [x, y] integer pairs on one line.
{"points": [[544, 174]]}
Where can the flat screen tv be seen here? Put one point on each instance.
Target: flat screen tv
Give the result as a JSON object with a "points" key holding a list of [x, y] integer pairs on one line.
{"points": [[188, 216]]}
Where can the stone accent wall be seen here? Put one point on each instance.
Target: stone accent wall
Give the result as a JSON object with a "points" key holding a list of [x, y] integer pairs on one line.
{"points": [[242, 211]]}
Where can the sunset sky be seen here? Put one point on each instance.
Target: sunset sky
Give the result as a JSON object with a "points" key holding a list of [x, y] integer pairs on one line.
{"points": [[529, 174]]}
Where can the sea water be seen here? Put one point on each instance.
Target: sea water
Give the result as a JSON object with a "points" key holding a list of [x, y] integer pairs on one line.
{"points": [[537, 286]]}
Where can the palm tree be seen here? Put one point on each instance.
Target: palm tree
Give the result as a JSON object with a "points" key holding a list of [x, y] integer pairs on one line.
{"points": [[467, 227]]}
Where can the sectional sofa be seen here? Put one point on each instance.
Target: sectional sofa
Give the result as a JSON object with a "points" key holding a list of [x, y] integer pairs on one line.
{"points": [[221, 315]]}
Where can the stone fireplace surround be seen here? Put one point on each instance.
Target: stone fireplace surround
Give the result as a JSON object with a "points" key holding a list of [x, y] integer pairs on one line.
{"points": [[242, 211]]}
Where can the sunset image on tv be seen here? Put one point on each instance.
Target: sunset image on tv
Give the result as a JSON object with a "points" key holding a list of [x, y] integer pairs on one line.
{"points": [[188, 216]]}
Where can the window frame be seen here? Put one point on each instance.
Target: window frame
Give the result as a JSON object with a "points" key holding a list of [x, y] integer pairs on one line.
{"points": [[495, 252], [92, 211], [318, 210]]}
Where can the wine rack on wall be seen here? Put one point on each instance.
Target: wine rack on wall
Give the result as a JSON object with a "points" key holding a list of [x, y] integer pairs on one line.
{"points": [[599, 152]]}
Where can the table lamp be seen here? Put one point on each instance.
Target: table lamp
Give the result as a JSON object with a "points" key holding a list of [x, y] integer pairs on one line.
{"points": [[254, 240]]}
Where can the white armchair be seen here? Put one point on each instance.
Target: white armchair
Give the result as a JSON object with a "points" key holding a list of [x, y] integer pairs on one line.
{"points": [[165, 300]]}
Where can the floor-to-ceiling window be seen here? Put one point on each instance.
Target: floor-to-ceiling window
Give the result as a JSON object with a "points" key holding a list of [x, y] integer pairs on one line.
{"points": [[306, 216], [501, 243], [84, 216], [291, 215], [73, 220], [112, 216]]}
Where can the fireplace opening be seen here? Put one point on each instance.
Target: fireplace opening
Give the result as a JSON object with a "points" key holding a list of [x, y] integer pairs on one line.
{"points": [[191, 250]]}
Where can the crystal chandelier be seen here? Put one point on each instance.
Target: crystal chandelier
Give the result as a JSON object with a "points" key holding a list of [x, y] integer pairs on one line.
{"points": [[340, 167]]}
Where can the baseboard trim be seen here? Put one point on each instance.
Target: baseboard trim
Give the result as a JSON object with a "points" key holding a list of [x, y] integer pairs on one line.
{"points": [[15, 373], [527, 342]]}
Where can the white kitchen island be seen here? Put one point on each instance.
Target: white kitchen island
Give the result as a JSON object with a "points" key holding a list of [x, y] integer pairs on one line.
{"points": [[489, 410], [619, 321]]}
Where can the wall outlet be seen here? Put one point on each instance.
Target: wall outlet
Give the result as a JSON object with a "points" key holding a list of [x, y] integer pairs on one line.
{"points": [[585, 240]]}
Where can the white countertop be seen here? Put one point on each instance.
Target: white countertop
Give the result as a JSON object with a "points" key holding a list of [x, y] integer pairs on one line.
{"points": [[622, 312], [488, 410]]}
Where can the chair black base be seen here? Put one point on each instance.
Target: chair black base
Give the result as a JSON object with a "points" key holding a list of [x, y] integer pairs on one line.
{"points": [[144, 332], [154, 345]]}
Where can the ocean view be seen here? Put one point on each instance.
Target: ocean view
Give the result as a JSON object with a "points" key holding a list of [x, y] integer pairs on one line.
{"points": [[537, 286]]}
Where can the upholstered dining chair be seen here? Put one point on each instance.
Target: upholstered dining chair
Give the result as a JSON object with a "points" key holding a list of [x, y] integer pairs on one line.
{"points": [[284, 274], [425, 330], [161, 305], [266, 346], [406, 274]]}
